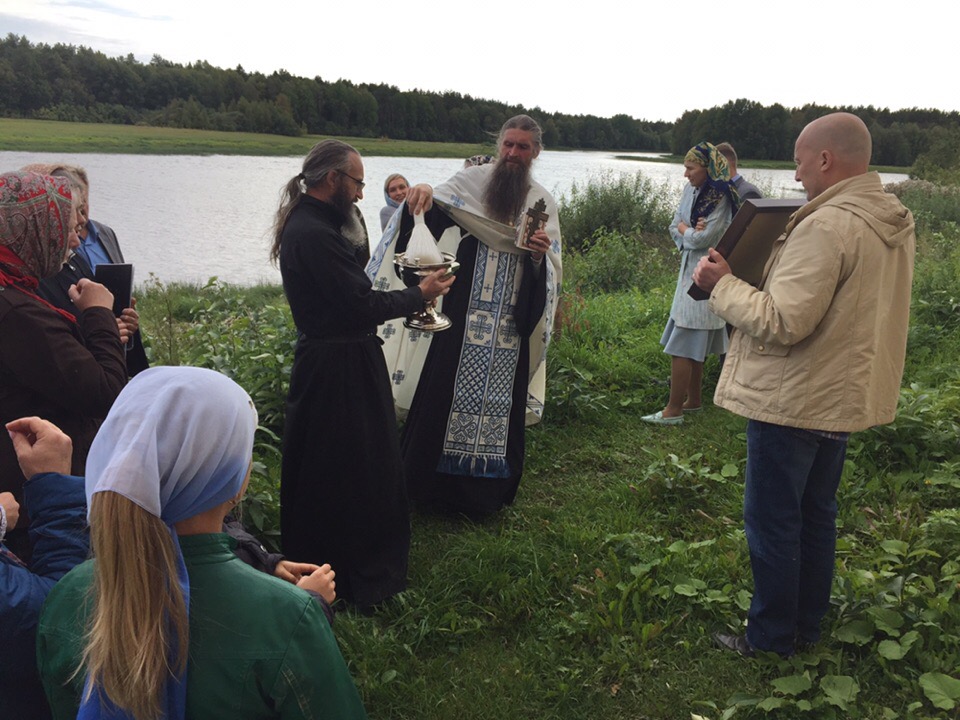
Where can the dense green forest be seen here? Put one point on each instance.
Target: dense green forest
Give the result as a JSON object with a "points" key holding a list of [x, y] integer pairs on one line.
{"points": [[63, 82], [768, 133]]}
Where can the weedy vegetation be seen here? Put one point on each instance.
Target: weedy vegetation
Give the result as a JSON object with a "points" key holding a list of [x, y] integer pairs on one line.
{"points": [[595, 594]]}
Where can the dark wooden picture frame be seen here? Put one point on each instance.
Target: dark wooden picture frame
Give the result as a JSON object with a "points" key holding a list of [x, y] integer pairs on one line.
{"points": [[746, 244]]}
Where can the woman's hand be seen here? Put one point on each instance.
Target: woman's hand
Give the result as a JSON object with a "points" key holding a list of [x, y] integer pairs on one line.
{"points": [[87, 294], [292, 572], [683, 227], [321, 582], [40, 446]]}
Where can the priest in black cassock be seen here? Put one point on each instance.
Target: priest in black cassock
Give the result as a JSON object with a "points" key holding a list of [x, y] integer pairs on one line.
{"points": [[342, 496], [471, 390]]}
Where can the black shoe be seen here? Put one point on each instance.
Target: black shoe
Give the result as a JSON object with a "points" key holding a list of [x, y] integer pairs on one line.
{"points": [[735, 643]]}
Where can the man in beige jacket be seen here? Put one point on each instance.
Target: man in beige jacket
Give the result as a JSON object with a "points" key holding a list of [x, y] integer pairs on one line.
{"points": [[817, 354]]}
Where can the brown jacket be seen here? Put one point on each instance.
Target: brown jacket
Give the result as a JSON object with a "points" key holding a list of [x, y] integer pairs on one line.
{"points": [[821, 345], [66, 373]]}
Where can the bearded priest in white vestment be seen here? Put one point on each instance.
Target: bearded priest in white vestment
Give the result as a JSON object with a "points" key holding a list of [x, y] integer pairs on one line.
{"points": [[469, 391]]}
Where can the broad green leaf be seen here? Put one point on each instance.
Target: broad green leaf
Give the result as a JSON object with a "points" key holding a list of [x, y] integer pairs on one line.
{"points": [[804, 706], [839, 689], [388, 676], [792, 684], [856, 632], [951, 480], [892, 650], [909, 638], [729, 470], [642, 569], [742, 698], [887, 620], [678, 546], [942, 690], [895, 547], [684, 589], [771, 703]]}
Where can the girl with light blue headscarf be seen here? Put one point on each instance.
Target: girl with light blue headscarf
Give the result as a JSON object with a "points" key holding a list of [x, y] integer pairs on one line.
{"points": [[171, 459]]}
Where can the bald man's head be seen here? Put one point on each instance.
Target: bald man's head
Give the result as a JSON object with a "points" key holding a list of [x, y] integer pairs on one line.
{"points": [[830, 149]]}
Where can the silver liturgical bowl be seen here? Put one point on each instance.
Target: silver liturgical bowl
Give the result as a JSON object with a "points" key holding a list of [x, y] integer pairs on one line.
{"points": [[412, 272]]}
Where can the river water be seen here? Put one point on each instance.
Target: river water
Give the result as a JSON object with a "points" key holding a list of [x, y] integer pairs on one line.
{"points": [[188, 218]]}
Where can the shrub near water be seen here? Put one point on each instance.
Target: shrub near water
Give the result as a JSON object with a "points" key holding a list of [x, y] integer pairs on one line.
{"points": [[248, 335], [615, 233]]}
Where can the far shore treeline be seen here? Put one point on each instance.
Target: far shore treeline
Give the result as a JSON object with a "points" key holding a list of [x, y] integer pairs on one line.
{"points": [[67, 83]]}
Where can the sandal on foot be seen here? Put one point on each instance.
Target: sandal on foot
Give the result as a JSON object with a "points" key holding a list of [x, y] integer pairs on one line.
{"points": [[658, 419]]}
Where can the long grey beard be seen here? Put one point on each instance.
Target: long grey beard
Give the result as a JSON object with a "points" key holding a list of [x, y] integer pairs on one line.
{"points": [[354, 228], [506, 192]]}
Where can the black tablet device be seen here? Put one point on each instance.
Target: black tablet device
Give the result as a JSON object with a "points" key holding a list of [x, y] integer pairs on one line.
{"points": [[118, 279]]}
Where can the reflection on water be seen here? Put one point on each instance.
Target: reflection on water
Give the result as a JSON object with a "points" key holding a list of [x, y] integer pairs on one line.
{"points": [[188, 217]]}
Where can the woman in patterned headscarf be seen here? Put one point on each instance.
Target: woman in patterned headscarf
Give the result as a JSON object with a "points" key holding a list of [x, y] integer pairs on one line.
{"points": [[706, 209], [65, 367]]}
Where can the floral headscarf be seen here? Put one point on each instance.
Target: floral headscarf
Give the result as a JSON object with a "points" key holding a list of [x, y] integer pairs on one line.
{"points": [[718, 183], [34, 225]]}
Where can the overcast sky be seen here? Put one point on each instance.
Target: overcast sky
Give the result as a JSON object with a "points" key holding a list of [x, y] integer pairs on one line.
{"points": [[650, 60]]}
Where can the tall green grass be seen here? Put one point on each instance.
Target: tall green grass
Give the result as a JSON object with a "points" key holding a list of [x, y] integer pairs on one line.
{"points": [[595, 594]]}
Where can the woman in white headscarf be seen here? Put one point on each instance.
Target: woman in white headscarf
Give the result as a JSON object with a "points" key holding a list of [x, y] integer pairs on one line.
{"points": [[394, 191], [171, 459]]}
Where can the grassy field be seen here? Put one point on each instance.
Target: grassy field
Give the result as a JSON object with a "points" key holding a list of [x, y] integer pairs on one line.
{"points": [[595, 594], [69, 137]]}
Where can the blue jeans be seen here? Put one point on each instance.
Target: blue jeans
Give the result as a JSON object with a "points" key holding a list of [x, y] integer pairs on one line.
{"points": [[790, 513]]}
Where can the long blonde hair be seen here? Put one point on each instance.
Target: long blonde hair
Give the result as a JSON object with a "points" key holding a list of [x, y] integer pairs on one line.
{"points": [[140, 613]]}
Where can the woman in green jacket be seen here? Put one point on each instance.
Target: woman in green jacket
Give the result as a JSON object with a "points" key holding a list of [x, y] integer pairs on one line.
{"points": [[169, 462]]}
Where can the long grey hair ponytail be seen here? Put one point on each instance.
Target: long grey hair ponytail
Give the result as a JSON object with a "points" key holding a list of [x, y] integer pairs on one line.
{"points": [[323, 158]]}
